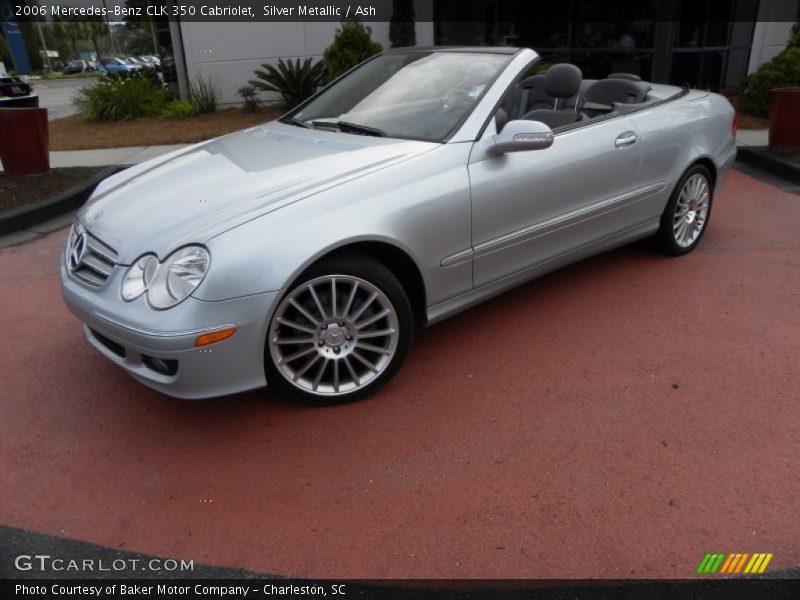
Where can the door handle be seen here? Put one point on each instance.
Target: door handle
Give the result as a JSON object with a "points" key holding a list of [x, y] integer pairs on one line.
{"points": [[626, 139]]}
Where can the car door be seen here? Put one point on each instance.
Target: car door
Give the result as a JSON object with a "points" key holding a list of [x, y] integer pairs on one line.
{"points": [[533, 206]]}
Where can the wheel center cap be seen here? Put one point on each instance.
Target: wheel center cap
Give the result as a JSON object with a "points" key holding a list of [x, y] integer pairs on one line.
{"points": [[334, 336]]}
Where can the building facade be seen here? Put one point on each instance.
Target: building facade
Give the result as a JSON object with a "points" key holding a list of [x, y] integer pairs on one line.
{"points": [[711, 44]]}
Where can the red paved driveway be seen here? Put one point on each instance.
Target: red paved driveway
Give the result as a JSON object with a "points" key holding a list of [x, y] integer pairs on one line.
{"points": [[620, 418]]}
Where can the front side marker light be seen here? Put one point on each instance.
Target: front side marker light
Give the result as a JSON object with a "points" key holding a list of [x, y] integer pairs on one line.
{"points": [[214, 336]]}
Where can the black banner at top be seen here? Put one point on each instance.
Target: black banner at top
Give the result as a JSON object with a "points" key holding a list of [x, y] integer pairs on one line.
{"points": [[575, 11], [208, 10]]}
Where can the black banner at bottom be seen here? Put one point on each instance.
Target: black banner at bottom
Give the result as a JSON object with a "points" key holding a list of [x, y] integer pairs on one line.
{"points": [[261, 589]]}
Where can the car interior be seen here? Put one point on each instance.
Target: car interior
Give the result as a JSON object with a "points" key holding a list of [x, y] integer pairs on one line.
{"points": [[560, 97]]}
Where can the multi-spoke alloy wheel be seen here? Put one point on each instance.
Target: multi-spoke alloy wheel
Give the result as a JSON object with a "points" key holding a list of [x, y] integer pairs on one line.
{"points": [[333, 336], [686, 215], [691, 210]]}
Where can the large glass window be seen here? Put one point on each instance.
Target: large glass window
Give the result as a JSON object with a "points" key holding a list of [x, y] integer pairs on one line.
{"points": [[699, 42]]}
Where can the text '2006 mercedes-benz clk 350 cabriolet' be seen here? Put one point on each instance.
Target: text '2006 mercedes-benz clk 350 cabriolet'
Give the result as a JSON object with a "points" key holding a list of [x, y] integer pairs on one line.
{"points": [[303, 253]]}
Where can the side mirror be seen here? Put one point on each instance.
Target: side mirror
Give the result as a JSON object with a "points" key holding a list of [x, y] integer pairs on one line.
{"points": [[518, 136]]}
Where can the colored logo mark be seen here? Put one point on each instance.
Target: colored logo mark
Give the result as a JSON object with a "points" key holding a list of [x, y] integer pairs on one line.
{"points": [[740, 562]]}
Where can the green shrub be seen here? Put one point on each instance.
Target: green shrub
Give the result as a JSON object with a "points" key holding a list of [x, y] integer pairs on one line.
{"points": [[123, 97], [353, 44], [794, 39], [292, 80], [538, 68], [781, 71], [179, 109], [204, 95], [249, 94]]}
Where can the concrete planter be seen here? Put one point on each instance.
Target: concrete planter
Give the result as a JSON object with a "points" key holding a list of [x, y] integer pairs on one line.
{"points": [[784, 118], [24, 143]]}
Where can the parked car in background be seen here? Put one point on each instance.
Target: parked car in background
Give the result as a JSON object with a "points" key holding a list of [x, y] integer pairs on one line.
{"points": [[117, 65], [150, 62], [133, 62], [306, 251], [16, 92], [79, 66]]}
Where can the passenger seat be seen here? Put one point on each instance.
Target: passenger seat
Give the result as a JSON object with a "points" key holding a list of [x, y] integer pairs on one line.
{"points": [[533, 96], [561, 82]]}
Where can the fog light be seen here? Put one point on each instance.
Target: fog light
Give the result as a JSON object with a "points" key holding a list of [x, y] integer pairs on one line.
{"points": [[163, 366], [214, 336]]}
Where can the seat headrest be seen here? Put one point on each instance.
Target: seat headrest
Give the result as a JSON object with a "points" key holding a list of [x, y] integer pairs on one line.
{"points": [[624, 91], [563, 80], [628, 76]]}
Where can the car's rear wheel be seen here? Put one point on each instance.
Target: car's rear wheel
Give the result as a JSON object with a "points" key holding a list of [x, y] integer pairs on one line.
{"points": [[685, 218], [340, 333]]}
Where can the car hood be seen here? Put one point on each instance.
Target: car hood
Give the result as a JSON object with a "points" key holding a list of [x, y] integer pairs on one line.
{"points": [[197, 193]]}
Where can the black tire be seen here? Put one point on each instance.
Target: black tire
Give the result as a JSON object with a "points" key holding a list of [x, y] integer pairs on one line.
{"points": [[375, 273], [665, 239]]}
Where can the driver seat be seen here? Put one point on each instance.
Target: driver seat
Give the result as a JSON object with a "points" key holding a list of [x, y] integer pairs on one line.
{"points": [[562, 81]]}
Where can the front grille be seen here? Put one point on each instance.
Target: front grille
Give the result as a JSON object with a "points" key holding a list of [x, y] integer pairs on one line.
{"points": [[89, 260]]}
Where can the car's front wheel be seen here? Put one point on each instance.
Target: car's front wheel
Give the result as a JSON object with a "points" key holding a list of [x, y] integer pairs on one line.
{"points": [[686, 215], [340, 333]]}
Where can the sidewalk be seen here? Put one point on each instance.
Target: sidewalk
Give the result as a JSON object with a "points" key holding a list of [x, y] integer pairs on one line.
{"points": [[132, 155], [108, 156], [752, 137]]}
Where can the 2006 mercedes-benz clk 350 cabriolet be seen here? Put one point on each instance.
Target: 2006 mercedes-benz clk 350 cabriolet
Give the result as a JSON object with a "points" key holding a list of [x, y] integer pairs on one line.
{"points": [[304, 252]]}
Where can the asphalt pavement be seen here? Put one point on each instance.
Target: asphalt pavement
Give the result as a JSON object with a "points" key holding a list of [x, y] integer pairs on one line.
{"points": [[620, 418], [56, 94]]}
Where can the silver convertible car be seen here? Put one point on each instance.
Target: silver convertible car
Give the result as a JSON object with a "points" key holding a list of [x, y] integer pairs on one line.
{"points": [[303, 253]]}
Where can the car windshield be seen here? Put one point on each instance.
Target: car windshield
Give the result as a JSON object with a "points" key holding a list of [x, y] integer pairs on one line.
{"points": [[419, 95]]}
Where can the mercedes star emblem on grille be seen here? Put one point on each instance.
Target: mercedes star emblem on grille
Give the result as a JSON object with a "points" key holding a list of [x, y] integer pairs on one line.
{"points": [[76, 252]]}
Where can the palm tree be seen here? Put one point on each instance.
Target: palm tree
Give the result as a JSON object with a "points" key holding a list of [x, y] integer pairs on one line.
{"points": [[73, 31], [292, 80], [96, 28]]}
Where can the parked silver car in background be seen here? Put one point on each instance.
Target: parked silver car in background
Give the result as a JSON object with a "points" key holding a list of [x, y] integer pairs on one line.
{"points": [[304, 252]]}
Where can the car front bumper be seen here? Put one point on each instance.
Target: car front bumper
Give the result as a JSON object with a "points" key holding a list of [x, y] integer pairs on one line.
{"points": [[142, 340]]}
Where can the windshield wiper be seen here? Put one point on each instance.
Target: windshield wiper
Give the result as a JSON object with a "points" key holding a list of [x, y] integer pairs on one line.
{"points": [[296, 122], [331, 124], [360, 129]]}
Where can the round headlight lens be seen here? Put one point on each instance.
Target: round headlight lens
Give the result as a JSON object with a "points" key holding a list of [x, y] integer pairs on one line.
{"points": [[139, 277], [178, 276]]}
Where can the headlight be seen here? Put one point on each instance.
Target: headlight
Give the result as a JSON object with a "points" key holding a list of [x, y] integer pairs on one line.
{"points": [[167, 283], [139, 277]]}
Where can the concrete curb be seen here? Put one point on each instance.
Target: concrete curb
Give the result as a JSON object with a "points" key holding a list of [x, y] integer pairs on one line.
{"points": [[761, 158], [35, 214]]}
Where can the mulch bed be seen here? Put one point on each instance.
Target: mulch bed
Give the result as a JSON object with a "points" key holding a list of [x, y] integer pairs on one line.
{"points": [[751, 122], [78, 133], [19, 191]]}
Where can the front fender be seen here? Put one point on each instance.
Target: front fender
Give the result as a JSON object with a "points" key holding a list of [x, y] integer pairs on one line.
{"points": [[421, 207]]}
